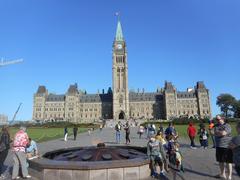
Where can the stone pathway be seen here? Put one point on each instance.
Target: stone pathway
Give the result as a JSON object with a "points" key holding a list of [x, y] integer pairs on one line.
{"points": [[199, 164]]}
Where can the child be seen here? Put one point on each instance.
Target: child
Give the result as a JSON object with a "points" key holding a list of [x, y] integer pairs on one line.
{"points": [[203, 137], [235, 146], [160, 138], [179, 157], [174, 154]]}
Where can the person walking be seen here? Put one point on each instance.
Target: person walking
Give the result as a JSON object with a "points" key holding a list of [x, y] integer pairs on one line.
{"points": [[224, 155], [20, 143], [151, 131], [127, 130], [118, 132], [211, 132], [235, 146], [65, 134], [75, 131], [203, 137], [101, 127], [140, 131], [4, 148], [192, 134]]}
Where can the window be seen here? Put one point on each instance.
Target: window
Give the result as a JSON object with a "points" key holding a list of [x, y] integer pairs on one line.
{"points": [[121, 99]]}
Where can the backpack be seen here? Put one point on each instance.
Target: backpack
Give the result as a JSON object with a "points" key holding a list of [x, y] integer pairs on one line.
{"points": [[2, 144], [117, 127]]}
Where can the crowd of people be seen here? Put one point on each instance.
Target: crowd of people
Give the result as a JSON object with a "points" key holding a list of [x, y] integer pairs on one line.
{"points": [[163, 148]]}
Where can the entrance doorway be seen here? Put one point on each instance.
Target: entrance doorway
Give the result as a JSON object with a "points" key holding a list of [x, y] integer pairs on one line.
{"points": [[121, 115]]}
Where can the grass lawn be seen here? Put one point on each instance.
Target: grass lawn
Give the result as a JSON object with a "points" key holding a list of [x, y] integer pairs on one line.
{"points": [[45, 134]]}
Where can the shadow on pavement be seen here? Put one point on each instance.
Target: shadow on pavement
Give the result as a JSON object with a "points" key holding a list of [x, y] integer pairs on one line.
{"points": [[198, 173]]}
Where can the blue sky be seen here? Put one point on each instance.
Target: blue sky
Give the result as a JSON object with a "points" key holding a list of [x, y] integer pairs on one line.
{"points": [[68, 41]]}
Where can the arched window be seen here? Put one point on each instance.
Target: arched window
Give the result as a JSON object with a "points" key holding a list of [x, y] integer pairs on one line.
{"points": [[121, 99]]}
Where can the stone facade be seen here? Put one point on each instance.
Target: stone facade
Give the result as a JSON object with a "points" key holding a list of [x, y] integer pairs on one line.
{"points": [[3, 119], [118, 102]]}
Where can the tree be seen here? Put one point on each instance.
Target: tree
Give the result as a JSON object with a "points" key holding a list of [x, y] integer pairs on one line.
{"points": [[236, 109], [226, 103]]}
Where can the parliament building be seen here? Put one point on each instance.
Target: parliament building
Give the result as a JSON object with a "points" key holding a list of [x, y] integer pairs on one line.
{"points": [[118, 102]]}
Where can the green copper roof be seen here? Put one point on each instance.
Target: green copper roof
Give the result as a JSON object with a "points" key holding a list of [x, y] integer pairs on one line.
{"points": [[119, 33]]}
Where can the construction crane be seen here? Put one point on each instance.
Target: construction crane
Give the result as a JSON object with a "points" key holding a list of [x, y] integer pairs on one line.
{"points": [[5, 63], [15, 114]]}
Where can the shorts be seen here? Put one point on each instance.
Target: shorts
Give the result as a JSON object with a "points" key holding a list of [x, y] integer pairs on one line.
{"points": [[224, 155], [156, 160]]}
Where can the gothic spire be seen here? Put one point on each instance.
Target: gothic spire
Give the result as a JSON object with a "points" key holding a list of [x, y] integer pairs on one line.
{"points": [[119, 33]]}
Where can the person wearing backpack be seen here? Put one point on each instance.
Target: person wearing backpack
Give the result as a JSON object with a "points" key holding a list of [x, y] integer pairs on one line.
{"points": [[4, 147], [118, 132]]}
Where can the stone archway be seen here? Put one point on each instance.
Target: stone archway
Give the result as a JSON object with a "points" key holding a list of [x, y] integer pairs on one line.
{"points": [[121, 115]]}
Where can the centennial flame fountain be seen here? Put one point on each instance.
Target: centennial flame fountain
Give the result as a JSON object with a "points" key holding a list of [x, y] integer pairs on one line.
{"points": [[93, 163]]}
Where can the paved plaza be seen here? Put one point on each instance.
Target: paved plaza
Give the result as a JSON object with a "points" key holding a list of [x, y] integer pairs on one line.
{"points": [[199, 164]]}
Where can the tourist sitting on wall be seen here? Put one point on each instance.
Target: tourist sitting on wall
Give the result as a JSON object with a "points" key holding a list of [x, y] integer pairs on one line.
{"points": [[235, 146], [32, 150], [156, 154]]}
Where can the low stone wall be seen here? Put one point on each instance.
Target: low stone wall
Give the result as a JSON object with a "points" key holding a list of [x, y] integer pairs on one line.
{"points": [[132, 173]]}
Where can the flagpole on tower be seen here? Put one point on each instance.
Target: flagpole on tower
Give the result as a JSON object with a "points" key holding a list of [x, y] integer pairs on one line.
{"points": [[118, 15]]}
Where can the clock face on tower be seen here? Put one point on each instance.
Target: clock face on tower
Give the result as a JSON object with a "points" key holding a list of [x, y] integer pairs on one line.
{"points": [[119, 46]]}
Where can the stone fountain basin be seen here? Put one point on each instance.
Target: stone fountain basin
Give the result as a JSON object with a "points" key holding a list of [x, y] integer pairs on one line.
{"points": [[53, 166]]}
